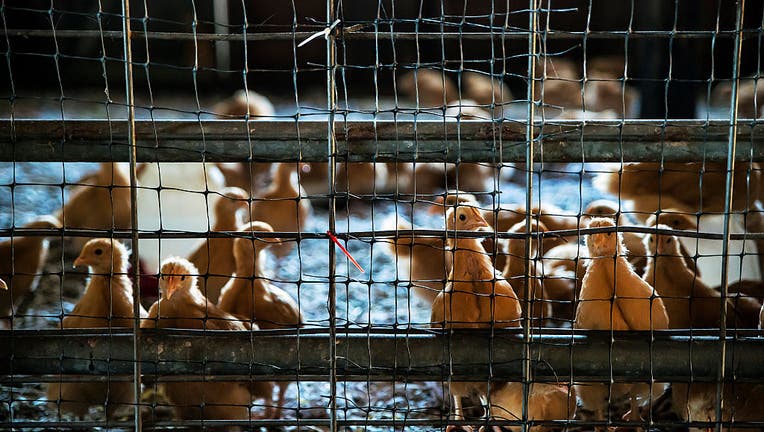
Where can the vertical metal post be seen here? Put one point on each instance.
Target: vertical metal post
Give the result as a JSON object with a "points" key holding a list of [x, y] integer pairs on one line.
{"points": [[529, 136], [731, 150], [331, 149], [134, 258], [222, 48]]}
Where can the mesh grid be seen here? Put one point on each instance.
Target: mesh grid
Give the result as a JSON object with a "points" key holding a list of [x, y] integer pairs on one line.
{"points": [[553, 205]]}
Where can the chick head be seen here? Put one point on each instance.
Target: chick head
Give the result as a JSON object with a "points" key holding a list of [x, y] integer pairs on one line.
{"points": [[665, 245], [452, 198], [603, 244], [232, 199], [465, 218], [177, 274], [104, 256], [44, 222], [674, 219], [244, 248], [602, 208]]}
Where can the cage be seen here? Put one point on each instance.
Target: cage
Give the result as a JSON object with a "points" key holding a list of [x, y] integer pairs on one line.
{"points": [[434, 215]]}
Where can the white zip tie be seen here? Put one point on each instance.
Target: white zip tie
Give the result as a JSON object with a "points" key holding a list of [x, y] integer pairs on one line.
{"points": [[325, 33]]}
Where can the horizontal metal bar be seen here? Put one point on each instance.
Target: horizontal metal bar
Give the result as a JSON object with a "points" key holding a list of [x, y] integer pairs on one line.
{"points": [[381, 141], [407, 355], [382, 34], [380, 235]]}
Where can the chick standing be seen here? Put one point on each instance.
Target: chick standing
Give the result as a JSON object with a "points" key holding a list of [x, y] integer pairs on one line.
{"points": [[251, 296], [183, 306], [541, 309], [282, 206], [475, 296], [21, 261], [214, 256], [106, 303], [613, 297]]}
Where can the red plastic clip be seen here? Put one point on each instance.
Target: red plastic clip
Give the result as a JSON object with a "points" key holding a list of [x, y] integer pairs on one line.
{"points": [[345, 251]]}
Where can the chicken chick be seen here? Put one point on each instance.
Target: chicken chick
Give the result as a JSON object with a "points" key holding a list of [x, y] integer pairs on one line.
{"points": [[689, 302], [487, 91], [678, 221], [243, 103], [214, 256], [637, 253], [183, 306], [250, 177], [475, 295], [251, 296], [423, 261], [21, 261], [541, 309], [101, 202], [430, 88], [106, 303], [282, 206], [613, 297], [545, 402], [750, 97]]}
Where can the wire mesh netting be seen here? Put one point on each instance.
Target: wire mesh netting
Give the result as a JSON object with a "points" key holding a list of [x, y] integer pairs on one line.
{"points": [[434, 215]]}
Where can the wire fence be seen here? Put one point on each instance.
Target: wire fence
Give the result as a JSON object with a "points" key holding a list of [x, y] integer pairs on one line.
{"points": [[381, 215]]}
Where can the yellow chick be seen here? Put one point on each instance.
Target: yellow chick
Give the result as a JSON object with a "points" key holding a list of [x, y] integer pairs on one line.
{"points": [[21, 261], [431, 88], [214, 256], [251, 296], [613, 297], [182, 305], [106, 303], [101, 202], [475, 295], [545, 402], [282, 206]]}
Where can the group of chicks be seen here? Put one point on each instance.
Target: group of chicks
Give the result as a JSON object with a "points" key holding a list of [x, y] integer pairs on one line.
{"points": [[617, 281]]}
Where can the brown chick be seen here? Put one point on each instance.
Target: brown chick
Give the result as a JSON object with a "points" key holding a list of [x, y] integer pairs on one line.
{"points": [[545, 402], [423, 261], [183, 306], [678, 221], [475, 295], [750, 97], [214, 256], [250, 177], [605, 92], [634, 242], [487, 91], [679, 186], [558, 84], [361, 178], [106, 303], [430, 88], [251, 296], [689, 302], [102, 202], [541, 309], [698, 403], [282, 206], [21, 262], [613, 297], [242, 103]]}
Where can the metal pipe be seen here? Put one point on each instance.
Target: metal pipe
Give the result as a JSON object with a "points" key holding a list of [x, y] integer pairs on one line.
{"points": [[411, 355], [367, 141], [134, 257]]}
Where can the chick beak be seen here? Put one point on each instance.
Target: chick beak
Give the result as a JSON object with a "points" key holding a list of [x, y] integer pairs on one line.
{"points": [[80, 261], [172, 286]]}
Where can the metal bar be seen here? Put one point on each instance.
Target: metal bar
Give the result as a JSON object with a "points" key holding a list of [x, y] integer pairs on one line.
{"points": [[380, 235], [135, 256], [412, 355], [729, 192], [367, 35], [380, 141]]}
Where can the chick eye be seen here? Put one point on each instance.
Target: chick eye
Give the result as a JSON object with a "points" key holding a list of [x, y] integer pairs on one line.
{"points": [[183, 277], [99, 252], [462, 217]]}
